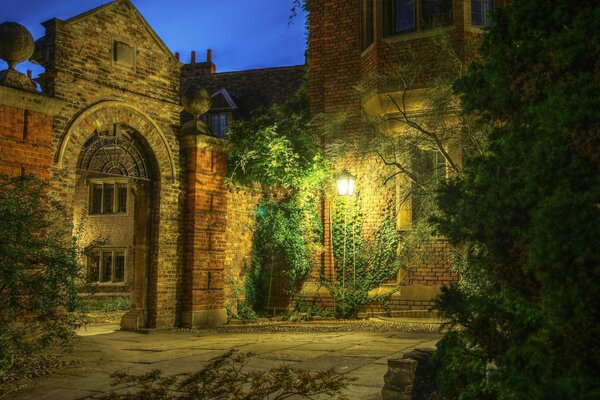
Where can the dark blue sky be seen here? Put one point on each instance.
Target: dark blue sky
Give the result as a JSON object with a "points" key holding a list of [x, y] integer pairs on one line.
{"points": [[243, 34]]}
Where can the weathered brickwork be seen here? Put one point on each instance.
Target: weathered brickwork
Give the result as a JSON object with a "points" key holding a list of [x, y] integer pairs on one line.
{"points": [[25, 132], [241, 224], [205, 221], [336, 65]]}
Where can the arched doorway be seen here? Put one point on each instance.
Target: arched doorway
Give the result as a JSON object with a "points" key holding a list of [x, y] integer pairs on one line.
{"points": [[116, 174], [112, 215]]}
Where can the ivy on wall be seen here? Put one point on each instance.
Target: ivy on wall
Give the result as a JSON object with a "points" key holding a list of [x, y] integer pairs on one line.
{"points": [[361, 265], [278, 151], [286, 241]]}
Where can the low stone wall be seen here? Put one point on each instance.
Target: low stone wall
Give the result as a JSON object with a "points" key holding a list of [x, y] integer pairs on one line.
{"points": [[411, 377]]}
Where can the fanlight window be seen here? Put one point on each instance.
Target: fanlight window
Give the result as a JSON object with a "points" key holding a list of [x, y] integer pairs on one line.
{"points": [[115, 154]]}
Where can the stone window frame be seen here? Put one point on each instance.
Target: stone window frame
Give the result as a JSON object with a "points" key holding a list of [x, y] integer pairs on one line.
{"points": [[102, 251], [103, 182], [113, 60]]}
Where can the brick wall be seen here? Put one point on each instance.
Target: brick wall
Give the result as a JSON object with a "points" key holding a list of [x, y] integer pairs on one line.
{"points": [[25, 142], [336, 66]]}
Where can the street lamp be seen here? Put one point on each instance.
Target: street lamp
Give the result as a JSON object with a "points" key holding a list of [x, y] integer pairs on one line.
{"points": [[345, 183]]}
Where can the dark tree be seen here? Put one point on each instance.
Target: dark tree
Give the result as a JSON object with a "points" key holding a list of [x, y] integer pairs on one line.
{"points": [[38, 271], [526, 216]]}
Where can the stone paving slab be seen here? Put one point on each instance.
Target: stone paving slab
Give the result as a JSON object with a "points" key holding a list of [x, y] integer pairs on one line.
{"points": [[102, 350]]}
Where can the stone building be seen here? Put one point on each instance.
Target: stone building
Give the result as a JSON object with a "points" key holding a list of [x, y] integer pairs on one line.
{"points": [[141, 181], [141, 178], [350, 42]]}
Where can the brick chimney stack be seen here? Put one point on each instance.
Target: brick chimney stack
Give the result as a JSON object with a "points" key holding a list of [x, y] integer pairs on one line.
{"points": [[177, 56], [193, 59]]}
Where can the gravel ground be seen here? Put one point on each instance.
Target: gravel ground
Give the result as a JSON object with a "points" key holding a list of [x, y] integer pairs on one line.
{"points": [[368, 325]]}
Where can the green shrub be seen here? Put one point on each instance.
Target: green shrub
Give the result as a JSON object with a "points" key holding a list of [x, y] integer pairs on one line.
{"points": [[39, 306]]}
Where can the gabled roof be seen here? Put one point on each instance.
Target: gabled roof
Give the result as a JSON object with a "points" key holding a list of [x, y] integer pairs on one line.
{"points": [[221, 100], [252, 89], [145, 23]]}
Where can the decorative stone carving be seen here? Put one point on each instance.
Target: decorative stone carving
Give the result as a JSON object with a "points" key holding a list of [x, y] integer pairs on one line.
{"points": [[114, 156], [197, 101], [16, 46], [16, 43]]}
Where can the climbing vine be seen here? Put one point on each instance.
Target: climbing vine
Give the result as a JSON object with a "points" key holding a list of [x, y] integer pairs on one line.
{"points": [[277, 151], [286, 240], [360, 265]]}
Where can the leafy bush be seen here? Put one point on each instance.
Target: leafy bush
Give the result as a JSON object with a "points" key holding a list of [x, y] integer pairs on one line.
{"points": [[106, 305], [278, 151], [224, 378], [526, 213], [286, 239], [38, 271]]}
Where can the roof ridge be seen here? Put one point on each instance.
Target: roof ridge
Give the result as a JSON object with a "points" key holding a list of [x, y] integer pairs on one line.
{"points": [[260, 69]]}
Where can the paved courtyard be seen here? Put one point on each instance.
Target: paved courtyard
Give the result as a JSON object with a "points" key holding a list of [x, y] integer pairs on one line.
{"points": [[353, 350]]}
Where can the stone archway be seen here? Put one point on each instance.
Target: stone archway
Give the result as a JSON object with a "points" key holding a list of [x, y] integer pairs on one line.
{"points": [[150, 305]]}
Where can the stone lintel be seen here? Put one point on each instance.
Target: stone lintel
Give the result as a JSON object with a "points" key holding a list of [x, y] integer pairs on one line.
{"points": [[32, 101], [204, 318]]}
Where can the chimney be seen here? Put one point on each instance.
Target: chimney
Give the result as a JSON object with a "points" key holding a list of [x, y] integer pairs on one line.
{"points": [[193, 60], [211, 67], [177, 56]]}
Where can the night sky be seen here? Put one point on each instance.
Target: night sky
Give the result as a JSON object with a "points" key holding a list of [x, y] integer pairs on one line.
{"points": [[243, 34]]}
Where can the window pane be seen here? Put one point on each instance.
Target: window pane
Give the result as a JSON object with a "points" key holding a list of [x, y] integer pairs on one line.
{"points": [[119, 266], [437, 13], [122, 198], [107, 263], [404, 16], [224, 125], [94, 266], [480, 10], [96, 199], [214, 124], [109, 198]]}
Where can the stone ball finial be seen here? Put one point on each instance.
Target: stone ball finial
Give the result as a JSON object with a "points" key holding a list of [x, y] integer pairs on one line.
{"points": [[16, 43], [196, 100]]}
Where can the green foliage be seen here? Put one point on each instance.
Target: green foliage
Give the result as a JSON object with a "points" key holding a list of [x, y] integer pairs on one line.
{"points": [[526, 214], [278, 151], [360, 265], [224, 377], [243, 309], [38, 271], [305, 310], [286, 238], [106, 305]]}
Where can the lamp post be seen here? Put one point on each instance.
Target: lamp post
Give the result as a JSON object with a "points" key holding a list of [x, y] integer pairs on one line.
{"points": [[345, 187]]}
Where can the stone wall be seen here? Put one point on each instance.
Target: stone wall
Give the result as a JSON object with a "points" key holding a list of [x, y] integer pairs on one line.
{"points": [[78, 55], [241, 224]]}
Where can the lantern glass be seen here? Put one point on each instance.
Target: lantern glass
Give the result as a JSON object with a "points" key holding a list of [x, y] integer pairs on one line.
{"points": [[345, 184]]}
